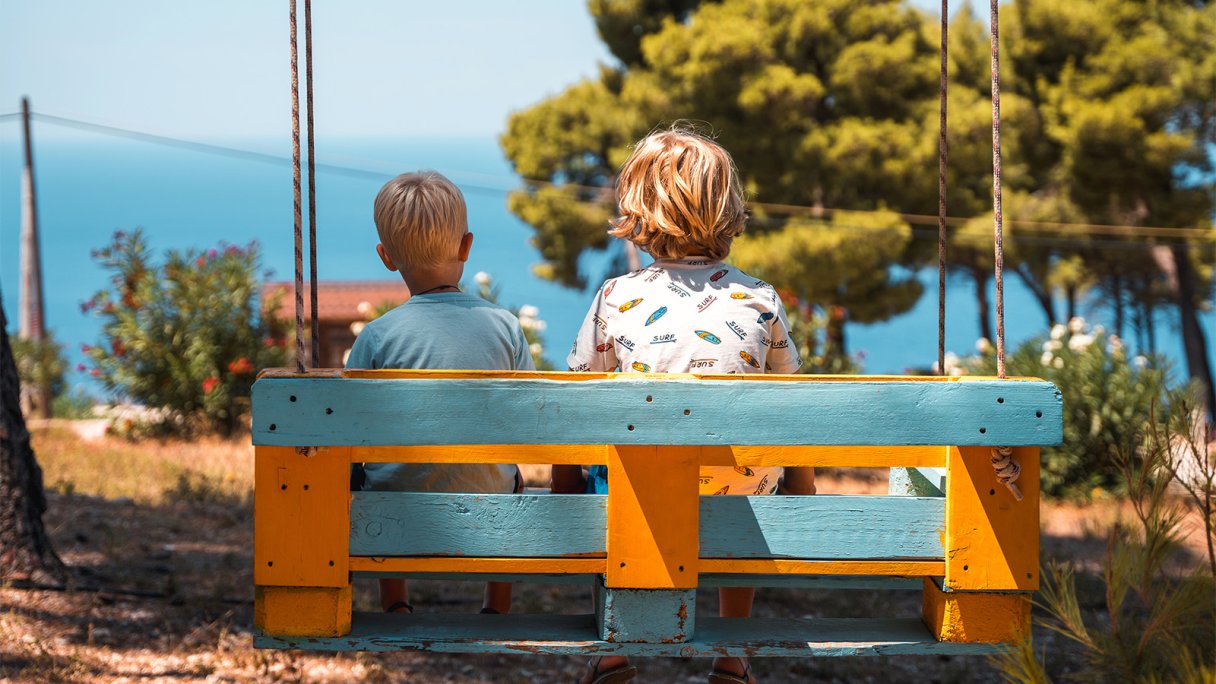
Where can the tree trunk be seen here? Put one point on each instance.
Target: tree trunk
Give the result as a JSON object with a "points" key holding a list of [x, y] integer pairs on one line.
{"points": [[1041, 295], [1070, 300], [25, 548], [1193, 340], [834, 341], [980, 277], [1116, 287]]}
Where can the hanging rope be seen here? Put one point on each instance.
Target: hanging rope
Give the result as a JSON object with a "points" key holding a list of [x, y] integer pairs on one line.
{"points": [[1007, 469], [941, 200], [312, 187], [999, 243], [295, 163]]}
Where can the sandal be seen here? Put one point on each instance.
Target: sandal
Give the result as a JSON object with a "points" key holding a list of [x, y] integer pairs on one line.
{"points": [[717, 676], [616, 675], [398, 606]]}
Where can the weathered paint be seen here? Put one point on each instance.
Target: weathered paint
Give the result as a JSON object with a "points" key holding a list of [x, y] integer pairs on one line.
{"points": [[645, 615], [710, 580], [576, 635], [361, 412], [919, 481], [992, 539], [425, 524], [301, 523], [652, 521], [896, 568], [557, 454], [974, 617], [560, 566], [470, 525], [302, 611], [821, 527]]}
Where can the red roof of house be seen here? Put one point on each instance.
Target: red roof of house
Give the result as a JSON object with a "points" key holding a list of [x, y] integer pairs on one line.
{"points": [[337, 301]]}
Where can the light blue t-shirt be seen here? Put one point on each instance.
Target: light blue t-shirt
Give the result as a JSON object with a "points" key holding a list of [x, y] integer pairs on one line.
{"points": [[444, 330]]}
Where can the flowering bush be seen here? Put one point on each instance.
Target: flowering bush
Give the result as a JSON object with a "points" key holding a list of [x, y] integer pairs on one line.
{"points": [[39, 363], [809, 331], [184, 335], [1108, 399]]}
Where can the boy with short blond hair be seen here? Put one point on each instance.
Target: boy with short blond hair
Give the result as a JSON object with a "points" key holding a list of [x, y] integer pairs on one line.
{"points": [[423, 227]]}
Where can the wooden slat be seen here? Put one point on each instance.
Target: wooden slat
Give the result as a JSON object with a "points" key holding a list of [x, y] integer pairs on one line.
{"points": [[594, 454], [301, 526], [827, 527], [575, 635], [479, 565], [524, 526], [895, 568], [918, 481], [429, 524], [831, 582], [361, 412]]}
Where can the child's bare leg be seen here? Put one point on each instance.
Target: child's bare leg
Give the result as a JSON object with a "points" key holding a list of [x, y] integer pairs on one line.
{"points": [[498, 597], [734, 602], [394, 592]]}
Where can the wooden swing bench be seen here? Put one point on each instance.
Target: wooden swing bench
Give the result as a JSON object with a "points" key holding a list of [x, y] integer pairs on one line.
{"points": [[949, 529]]}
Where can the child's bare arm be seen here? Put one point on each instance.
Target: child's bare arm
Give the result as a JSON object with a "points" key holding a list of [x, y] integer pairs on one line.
{"points": [[797, 480]]}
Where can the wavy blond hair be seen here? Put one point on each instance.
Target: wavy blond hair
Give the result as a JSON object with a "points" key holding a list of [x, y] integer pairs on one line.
{"points": [[421, 218], [679, 195]]}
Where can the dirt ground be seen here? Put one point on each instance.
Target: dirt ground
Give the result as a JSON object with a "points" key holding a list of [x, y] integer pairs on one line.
{"points": [[163, 592]]}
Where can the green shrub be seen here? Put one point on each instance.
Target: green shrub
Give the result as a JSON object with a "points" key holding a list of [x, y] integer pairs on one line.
{"points": [[184, 335], [40, 362], [1107, 400]]}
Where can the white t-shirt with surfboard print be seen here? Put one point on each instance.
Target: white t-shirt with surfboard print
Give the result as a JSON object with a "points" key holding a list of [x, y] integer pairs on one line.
{"points": [[690, 315]]}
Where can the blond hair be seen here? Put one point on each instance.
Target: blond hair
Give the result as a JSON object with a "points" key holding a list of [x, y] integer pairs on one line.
{"points": [[679, 195], [421, 218]]}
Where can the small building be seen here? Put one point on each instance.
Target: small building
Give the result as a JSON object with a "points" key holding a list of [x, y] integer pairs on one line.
{"points": [[342, 309]]}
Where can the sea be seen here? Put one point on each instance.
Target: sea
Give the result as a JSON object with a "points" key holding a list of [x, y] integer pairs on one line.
{"points": [[90, 185]]}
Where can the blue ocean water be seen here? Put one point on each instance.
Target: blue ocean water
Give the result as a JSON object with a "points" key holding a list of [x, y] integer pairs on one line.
{"points": [[90, 186]]}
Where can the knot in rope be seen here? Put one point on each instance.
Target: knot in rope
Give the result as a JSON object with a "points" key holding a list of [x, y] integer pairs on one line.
{"points": [[1007, 469]]}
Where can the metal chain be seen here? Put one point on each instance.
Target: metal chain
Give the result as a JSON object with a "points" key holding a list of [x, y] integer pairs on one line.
{"points": [[312, 187], [999, 246], [295, 163], [941, 199]]}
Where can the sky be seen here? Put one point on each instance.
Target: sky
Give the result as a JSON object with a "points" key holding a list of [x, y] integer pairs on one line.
{"points": [[219, 70]]}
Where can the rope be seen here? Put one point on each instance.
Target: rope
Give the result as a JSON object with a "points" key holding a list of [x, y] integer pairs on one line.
{"points": [[941, 199], [295, 168], [1007, 469], [312, 188], [998, 241]]}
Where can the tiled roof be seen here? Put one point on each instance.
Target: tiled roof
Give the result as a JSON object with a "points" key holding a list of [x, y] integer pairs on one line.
{"points": [[337, 300]]}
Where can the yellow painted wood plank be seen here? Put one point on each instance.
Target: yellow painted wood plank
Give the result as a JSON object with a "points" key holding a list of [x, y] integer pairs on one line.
{"points": [[302, 611], [558, 454], [581, 454], [991, 539], [527, 566], [895, 568], [652, 521], [975, 617], [301, 523]]}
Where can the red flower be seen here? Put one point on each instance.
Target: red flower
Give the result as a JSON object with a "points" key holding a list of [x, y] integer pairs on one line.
{"points": [[241, 366], [117, 347], [96, 372], [210, 384], [202, 261]]}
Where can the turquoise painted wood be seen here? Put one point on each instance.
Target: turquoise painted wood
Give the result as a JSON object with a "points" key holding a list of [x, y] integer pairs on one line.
{"points": [[917, 482], [499, 525], [359, 412], [576, 635], [525, 526], [708, 580], [645, 615]]}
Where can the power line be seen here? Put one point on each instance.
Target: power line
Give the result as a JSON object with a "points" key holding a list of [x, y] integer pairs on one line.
{"points": [[1072, 229]]}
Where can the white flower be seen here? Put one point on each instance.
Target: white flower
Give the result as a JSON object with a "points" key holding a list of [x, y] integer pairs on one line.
{"points": [[1046, 358], [528, 311], [1058, 363], [1057, 331], [1080, 342], [1115, 345], [365, 309], [1099, 329], [482, 278], [357, 327], [539, 326], [1076, 324], [1052, 345], [983, 346], [1141, 361], [536, 348]]}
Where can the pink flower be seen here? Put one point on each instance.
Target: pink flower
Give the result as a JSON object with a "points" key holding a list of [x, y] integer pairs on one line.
{"points": [[96, 372], [202, 261], [212, 254], [210, 384], [85, 348], [80, 368]]}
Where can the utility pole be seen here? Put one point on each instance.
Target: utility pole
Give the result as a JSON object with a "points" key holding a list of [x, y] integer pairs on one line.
{"points": [[30, 316]]}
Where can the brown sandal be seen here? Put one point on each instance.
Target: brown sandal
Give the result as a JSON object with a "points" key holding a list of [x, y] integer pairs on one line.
{"points": [[616, 675], [717, 676]]}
